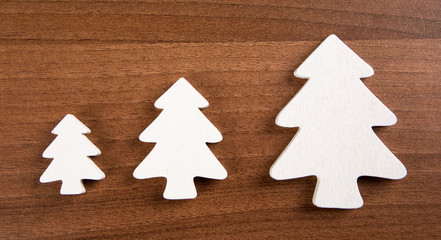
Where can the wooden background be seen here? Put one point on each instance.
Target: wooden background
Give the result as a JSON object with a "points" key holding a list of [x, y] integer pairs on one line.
{"points": [[107, 62]]}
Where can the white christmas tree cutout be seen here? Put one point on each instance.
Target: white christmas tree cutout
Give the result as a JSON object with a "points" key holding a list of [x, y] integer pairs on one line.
{"points": [[70, 151], [335, 113], [180, 132]]}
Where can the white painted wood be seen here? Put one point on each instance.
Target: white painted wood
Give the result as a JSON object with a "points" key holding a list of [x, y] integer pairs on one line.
{"points": [[180, 132], [335, 113], [70, 151]]}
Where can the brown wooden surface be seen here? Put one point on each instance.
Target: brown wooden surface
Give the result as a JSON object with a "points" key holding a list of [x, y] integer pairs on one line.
{"points": [[107, 62]]}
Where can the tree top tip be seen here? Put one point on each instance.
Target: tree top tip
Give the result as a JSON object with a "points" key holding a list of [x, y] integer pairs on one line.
{"points": [[70, 124], [181, 93], [333, 57]]}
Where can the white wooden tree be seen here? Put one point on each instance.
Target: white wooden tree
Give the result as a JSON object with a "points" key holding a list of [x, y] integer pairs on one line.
{"points": [[180, 132], [70, 151], [335, 113]]}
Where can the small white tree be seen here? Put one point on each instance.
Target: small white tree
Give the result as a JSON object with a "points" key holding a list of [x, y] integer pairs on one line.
{"points": [[70, 151], [180, 132], [335, 112]]}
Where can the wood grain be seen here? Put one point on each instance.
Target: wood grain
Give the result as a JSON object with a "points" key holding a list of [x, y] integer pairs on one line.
{"points": [[107, 62]]}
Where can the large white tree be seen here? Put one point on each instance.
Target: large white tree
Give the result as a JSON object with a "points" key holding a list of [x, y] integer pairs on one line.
{"points": [[335, 113], [70, 151], [180, 132]]}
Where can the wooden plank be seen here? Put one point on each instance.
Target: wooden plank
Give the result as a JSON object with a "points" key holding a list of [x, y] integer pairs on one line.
{"points": [[112, 87], [107, 62], [216, 21]]}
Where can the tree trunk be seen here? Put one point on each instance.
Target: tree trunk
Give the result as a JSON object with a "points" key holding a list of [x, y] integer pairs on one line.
{"points": [[337, 192], [72, 187], [179, 187]]}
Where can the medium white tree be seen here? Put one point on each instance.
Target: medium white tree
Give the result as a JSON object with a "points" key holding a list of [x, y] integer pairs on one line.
{"points": [[180, 132], [70, 151], [335, 113]]}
